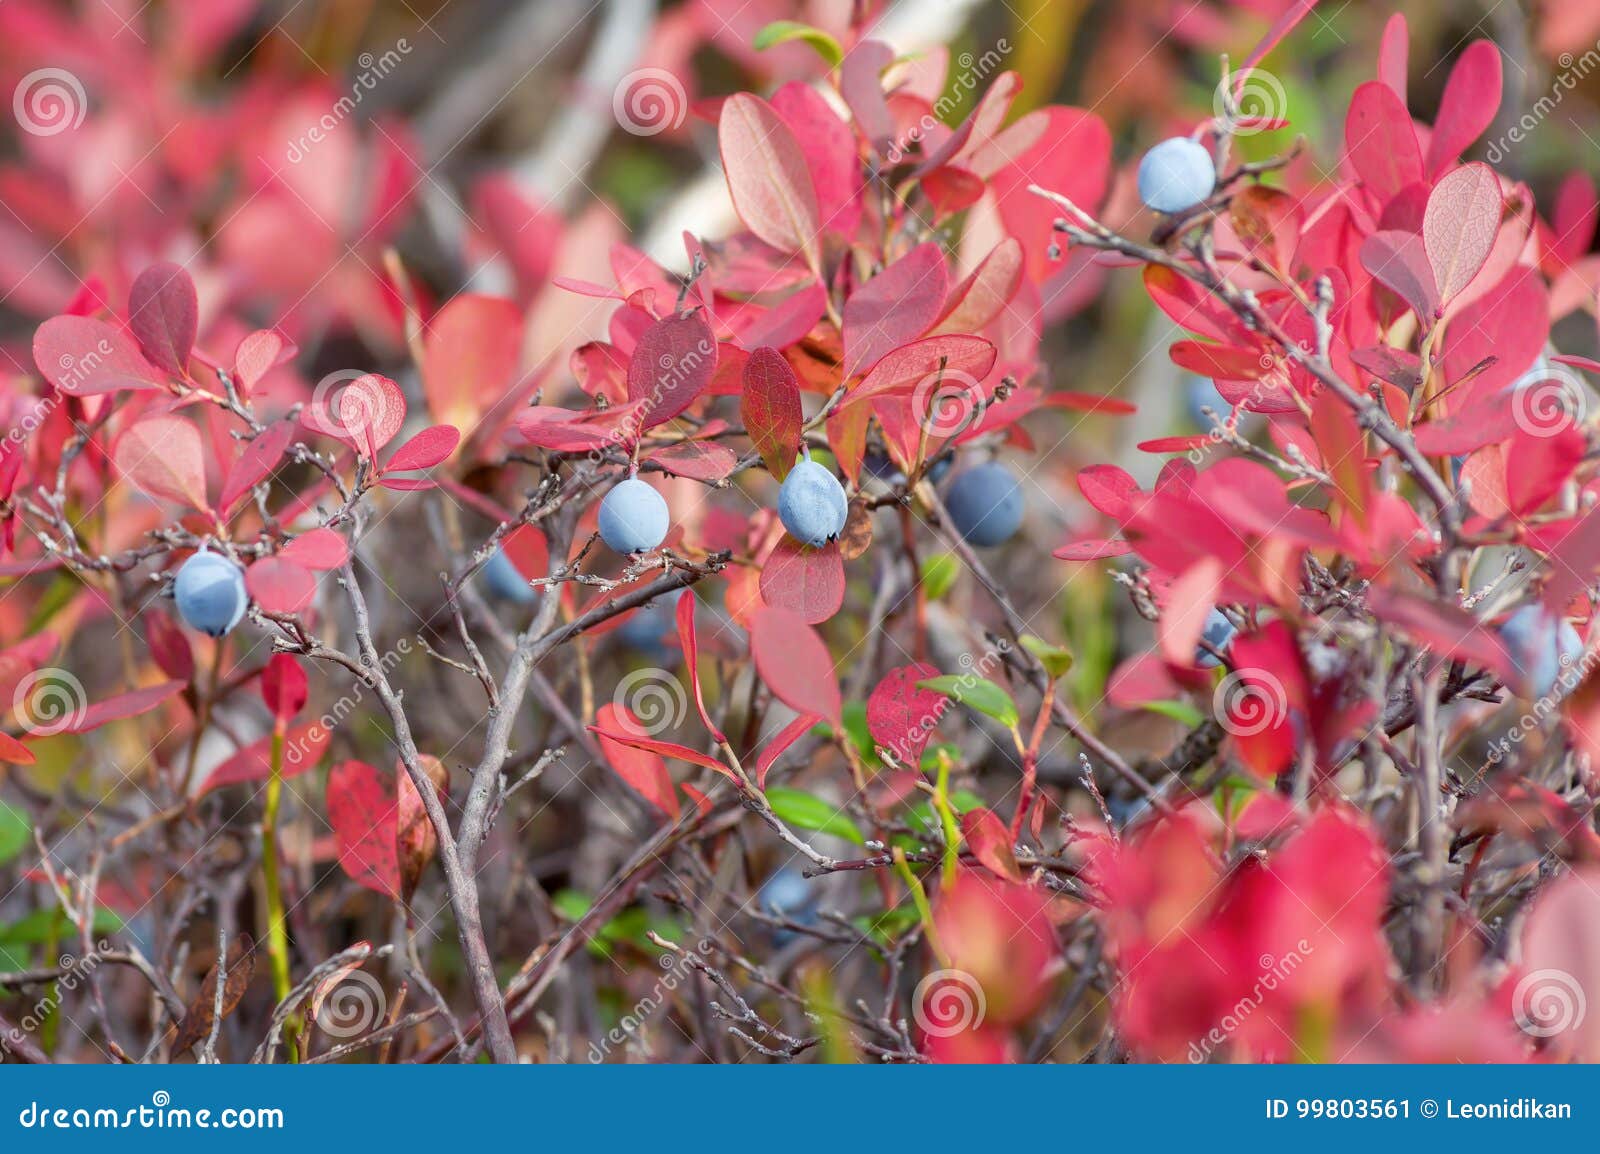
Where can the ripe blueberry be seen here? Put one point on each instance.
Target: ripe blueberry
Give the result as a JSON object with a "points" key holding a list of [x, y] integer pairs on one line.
{"points": [[647, 625], [1542, 647], [985, 504], [811, 504], [1216, 632], [1176, 174], [633, 517], [210, 592], [504, 581], [1201, 393]]}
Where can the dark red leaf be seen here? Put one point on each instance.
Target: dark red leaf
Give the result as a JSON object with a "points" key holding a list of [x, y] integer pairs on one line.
{"points": [[781, 742], [256, 463], [642, 769], [691, 657], [671, 366], [808, 582], [303, 747], [901, 717], [363, 809], [283, 686], [990, 842], [894, 308], [164, 316], [770, 407]]}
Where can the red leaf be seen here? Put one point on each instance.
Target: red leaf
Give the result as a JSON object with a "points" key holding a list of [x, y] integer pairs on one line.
{"points": [[1400, 262], [1573, 561], [861, 85], [280, 586], [1189, 602], [256, 463], [1538, 466], [894, 307], [1471, 99], [303, 747], [640, 740], [1380, 140], [807, 582], [321, 549], [642, 769], [785, 738], [123, 705], [786, 322], [169, 645], [1459, 226], [767, 176], [14, 752], [1484, 422], [471, 358], [363, 809], [794, 663], [1109, 489], [901, 717], [691, 657], [283, 686], [990, 842], [427, 449], [164, 316], [84, 357], [365, 412], [699, 460], [527, 550], [1448, 630], [164, 457], [926, 360], [258, 354], [671, 366], [831, 155], [977, 301], [1561, 957], [770, 408]]}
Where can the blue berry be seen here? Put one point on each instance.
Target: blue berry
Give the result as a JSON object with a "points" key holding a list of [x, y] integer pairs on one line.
{"points": [[1217, 632], [1201, 393], [1176, 175], [1542, 647], [504, 581], [210, 592], [811, 504], [646, 625], [985, 504], [633, 517]]}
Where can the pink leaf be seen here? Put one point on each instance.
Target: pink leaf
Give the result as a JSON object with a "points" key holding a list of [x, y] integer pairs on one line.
{"points": [[123, 705], [363, 808], [808, 582], [901, 717], [786, 322], [317, 549], [894, 307], [671, 366], [861, 85], [1561, 960], [1400, 261], [642, 769], [257, 355], [427, 449], [365, 412], [978, 300], [471, 358], [923, 362], [830, 152], [280, 586], [794, 663], [164, 316], [1471, 99], [780, 743], [284, 686], [990, 842], [303, 748], [1381, 141], [169, 645], [1189, 602], [84, 357], [767, 176], [256, 463], [164, 457], [1392, 52], [1459, 226], [691, 658], [1573, 562]]}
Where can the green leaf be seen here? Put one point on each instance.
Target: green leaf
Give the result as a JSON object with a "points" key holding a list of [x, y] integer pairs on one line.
{"points": [[1054, 658], [976, 693], [14, 832], [939, 572], [43, 926], [854, 717], [798, 808], [1180, 711], [783, 31]]}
